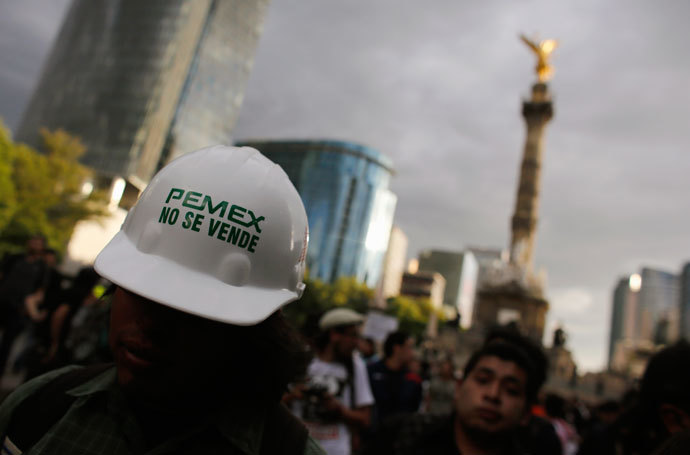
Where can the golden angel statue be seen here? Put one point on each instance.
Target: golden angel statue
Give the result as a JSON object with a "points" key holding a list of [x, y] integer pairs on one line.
{"points": [[543, 49]]}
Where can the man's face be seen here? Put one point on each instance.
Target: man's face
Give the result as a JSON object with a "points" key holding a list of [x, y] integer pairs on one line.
{"points": [[35, 245], [365, 347], [492, 398], [164, 354], [405, 352], [345, 341], [50, 259]]}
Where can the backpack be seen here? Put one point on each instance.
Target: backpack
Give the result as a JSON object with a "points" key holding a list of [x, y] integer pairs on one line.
{"points": [[33, 417]]}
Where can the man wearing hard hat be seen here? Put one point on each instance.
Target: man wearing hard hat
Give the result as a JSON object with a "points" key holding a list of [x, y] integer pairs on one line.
{"points": [[212, 250], [337, 398]]}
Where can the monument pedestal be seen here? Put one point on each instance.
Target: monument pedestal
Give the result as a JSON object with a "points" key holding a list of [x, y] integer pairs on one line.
{"points": [[511, 303]]}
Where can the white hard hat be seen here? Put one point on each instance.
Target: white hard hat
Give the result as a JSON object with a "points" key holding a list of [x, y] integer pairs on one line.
{"points": [[220, 233], [339, 317]]}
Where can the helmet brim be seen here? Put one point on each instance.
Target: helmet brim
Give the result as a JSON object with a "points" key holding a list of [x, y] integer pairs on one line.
{"points": [[169, 283]]}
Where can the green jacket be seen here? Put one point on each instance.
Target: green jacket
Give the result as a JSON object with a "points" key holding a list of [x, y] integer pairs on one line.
{"points": [[99, 422]]}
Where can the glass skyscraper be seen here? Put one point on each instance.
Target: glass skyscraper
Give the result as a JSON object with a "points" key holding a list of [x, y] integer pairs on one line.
{"points": [[658, 307], [623, 314], [134, 78], [685, 302], [344, 187]]}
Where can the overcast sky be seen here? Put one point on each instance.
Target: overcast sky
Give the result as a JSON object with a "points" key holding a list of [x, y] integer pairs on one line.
{"points": [[437, 87]]}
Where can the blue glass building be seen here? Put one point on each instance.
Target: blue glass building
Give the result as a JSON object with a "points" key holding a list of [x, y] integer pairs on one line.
{"points": [[344, 187]]}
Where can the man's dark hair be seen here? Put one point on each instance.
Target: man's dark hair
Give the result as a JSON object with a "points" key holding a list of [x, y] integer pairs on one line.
{"points": [[665, 381], [554, 405], [509, 353], [394, 339], [667, 378], [511, 335], [273, 354]]}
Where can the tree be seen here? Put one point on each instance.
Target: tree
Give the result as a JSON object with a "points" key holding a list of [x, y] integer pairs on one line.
{"points": [[413, 313], [44, 191], [320, 297], [8, 199]]}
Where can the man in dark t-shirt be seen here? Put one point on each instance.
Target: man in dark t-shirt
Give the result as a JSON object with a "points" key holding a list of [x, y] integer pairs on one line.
{"points": [[396, 389]]}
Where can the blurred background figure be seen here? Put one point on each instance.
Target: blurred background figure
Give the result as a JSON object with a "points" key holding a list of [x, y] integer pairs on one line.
{"points": [[23, 280], [50, 350], [659, 414], [396, 389], [335, 400], [441, 388], [367, 349], [595, 437], [556, 412]]}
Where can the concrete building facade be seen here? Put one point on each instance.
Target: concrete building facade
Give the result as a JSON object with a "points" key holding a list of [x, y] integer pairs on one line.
{"points": [[394, 263]]}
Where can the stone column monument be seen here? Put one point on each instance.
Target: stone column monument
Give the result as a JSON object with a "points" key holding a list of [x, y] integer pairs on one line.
{"points": [[537, 111], [512, 292]]}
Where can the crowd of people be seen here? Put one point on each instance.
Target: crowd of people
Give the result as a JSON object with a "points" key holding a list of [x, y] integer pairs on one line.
{"points": [[188, 350], [406, 405], [40, 303]]}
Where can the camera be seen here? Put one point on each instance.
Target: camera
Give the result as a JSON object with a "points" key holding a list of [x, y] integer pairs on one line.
{"points": [[315, 407]]}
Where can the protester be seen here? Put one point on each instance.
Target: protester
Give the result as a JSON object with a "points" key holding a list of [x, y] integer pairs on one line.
{"points": [[23, 278], [536, 434], [441, 388], [555, 410], [53, 332], [663, 406], [367, 349], [596, 438], [39, 307], [212, 250], [499, 384], [337, 397], [396, 391]]}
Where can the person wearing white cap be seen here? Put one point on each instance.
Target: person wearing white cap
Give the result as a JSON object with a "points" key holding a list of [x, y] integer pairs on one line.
{"points": [[338, 396], [212, 250]]}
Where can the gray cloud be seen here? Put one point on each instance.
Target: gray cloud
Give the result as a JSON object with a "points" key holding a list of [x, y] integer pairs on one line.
{"points": [[437, 87], [27, 29]]}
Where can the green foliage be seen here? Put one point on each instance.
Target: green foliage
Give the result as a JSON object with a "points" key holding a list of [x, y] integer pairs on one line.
{"points": [[319, 297], [44, 191], [413, 313], [8, 199]]}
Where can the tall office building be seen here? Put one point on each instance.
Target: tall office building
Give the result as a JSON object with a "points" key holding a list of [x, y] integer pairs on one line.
{"points": [[133, 78], [487, 258], [623, 313], [646, 311], [394, 263], [658, 312], [685, 302], [460, 270], [344, 187]]}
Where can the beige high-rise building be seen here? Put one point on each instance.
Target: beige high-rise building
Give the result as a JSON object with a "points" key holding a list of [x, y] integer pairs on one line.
{"points": [[428, 285], [394, 263]]}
